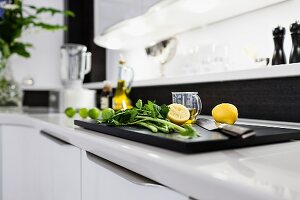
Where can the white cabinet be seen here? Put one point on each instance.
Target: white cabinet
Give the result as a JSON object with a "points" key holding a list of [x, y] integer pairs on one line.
{"points": [[1, 174], [102, 179], [110, 12], [36, 166], [147, 4], [60, 167], [20, 167]]}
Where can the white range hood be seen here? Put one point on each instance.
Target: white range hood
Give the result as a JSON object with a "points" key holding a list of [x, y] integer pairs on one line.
{"points": [[170, 17]]}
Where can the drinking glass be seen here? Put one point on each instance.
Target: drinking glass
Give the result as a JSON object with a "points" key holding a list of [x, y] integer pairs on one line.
{"points": [[191, 100]]}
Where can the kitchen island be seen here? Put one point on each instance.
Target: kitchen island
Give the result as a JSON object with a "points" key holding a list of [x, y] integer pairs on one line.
{"points": [[262, 172]]}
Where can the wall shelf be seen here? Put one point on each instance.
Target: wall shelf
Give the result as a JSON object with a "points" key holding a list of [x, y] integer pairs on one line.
{"points": [[40, 88], [280, 71]]}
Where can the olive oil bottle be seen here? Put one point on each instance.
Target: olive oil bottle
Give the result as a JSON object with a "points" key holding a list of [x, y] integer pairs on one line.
{"points": [[121, 98]]}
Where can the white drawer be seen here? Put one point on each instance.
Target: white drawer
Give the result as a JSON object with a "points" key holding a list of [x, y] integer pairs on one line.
{"points": [[102, 179]]}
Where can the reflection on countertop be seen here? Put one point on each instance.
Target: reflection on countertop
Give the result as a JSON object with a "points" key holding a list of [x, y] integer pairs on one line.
{"points": [[27, 110], [39, 110]]}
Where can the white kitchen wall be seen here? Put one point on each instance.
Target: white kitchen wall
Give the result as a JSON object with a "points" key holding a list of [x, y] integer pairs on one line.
{"points": [[236, 41], [43, 65]]}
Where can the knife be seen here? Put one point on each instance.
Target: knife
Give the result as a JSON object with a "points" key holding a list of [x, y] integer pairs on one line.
{"points": [[232, 130]]}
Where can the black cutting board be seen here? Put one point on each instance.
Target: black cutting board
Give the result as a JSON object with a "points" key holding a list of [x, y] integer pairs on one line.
{"points": [[208, 141]]}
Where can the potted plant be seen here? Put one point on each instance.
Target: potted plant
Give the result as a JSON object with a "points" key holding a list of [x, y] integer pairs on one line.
{"points": [[15, 18]]}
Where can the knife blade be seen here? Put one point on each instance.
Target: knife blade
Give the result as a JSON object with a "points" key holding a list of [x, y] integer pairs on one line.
{"points": [[232, 130]]}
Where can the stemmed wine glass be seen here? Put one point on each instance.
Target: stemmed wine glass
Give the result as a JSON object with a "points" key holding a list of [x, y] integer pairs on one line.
{"points": [[163, 52]]}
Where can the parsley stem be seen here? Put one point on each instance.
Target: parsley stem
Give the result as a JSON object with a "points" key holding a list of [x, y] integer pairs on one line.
{"points": [[149, 126], [170, 124]]}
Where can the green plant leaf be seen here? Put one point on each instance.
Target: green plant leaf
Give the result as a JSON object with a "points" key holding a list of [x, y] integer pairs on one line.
{"points": [[29, 20], [69, 13], [4, 47], [31, 6], [139, 104], [164, 110], [6, 50], [50, 27], [20, 49], [52, 11]]}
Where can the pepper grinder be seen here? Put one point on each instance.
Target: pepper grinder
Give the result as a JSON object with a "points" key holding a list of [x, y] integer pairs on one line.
{"points": [[278, 55], [295, 34]]}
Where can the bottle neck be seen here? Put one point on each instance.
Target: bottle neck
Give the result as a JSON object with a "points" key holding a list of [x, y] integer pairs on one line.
{"points": [[120, 87], [106, 93], [121, 70]]}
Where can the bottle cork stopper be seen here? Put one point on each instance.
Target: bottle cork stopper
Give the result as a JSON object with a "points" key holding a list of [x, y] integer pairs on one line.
{"points": [[107, 87], [122, 60]]}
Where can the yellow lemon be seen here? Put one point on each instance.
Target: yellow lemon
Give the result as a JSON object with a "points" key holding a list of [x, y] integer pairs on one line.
{"points": [[225, 113], [178, 114]]}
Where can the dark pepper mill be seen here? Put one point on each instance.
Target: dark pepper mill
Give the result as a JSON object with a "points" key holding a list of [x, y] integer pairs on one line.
{"points": [[295, 33], [278, 55]]}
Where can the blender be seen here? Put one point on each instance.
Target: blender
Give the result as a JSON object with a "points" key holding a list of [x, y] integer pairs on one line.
{"points": [[75, 64]]}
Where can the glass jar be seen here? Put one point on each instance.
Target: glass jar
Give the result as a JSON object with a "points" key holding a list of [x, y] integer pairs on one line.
{"points": [[11, 95]]}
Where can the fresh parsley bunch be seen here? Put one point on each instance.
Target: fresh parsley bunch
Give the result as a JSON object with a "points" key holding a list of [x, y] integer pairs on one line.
{"points": [[150, 116]]}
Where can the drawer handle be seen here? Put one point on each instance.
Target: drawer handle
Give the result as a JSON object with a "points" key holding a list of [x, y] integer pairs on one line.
{"points": [[49, 135], [122, 172]]}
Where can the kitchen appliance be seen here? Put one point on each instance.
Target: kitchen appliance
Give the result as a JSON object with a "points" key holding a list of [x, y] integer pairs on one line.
{"points": [[232, 130], [75, 64]]}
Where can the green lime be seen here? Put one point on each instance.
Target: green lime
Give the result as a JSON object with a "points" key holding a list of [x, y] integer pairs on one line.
{"points": [[83, 112], [94, 113], [107, 113], [70, 112]]}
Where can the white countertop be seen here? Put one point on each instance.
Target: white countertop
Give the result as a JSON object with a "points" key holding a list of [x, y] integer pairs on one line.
{"points": [[263, 172]]}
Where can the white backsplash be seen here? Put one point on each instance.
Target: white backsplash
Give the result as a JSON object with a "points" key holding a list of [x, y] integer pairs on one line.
{"points": [[231, 44], [43, 65]]}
